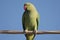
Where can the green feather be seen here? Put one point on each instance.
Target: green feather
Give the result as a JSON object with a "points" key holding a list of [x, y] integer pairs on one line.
{"points": [[30, 20]]}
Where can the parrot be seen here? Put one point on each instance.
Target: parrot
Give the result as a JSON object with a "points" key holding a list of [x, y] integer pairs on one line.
{"points": [[30, 20]]}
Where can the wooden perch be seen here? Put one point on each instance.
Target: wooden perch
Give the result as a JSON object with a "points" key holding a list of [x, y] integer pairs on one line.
{"points": [[29, 32]]}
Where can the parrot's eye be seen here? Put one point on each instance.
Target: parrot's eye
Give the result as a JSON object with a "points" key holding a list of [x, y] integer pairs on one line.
{"points": [[28, 5]]}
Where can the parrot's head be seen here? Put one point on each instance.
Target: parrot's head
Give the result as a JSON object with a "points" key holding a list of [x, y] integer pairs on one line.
{"points": [[29, 6]]}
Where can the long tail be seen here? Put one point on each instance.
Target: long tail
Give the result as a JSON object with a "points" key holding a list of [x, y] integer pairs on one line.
{"points": [[30, 36]]}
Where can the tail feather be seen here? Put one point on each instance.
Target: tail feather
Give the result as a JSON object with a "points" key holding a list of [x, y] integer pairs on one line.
{"points": [[30, 36]]}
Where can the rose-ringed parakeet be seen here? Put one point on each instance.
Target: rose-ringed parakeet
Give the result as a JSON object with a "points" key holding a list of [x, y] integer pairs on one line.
{"points": [[30, 20]]}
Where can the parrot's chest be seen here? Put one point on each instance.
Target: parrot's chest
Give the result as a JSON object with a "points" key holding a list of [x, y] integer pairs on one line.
{"points": [[30, 20]]}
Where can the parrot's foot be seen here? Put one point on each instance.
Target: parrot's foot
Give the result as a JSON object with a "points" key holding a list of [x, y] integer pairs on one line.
{"points": [[35, 31], [26, 31]]}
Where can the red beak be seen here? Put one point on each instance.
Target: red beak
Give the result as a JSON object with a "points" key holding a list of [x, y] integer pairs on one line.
{"points": [[25, 7]]}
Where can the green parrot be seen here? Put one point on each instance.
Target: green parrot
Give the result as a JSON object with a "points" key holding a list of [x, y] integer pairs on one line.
{"points": [[30, 20]]}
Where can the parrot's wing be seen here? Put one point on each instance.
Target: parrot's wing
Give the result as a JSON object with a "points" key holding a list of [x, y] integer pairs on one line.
{"points": [[37, 21], [23, 21]]}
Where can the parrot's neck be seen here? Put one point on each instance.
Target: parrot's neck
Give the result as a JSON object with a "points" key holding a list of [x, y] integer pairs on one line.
{"points": [[27, 11]]}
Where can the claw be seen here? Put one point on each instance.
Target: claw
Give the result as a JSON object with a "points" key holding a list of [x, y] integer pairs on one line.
{"points": [[35, 31], [26, 31]]}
